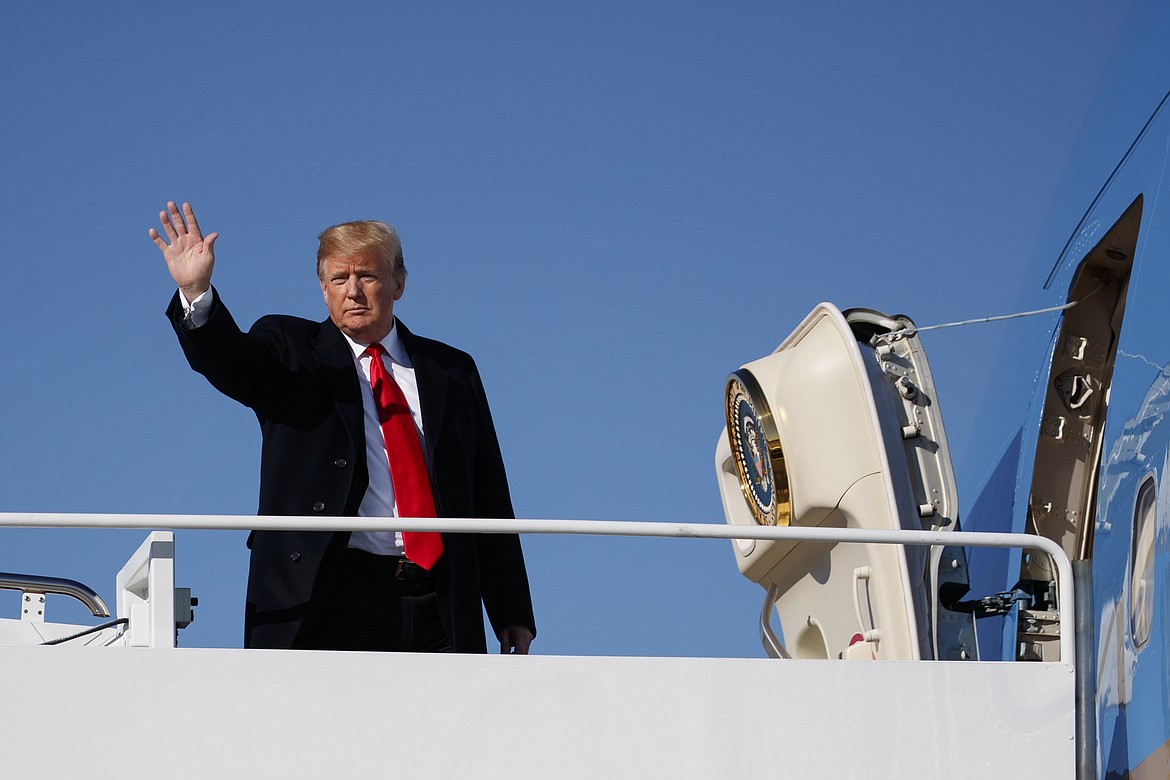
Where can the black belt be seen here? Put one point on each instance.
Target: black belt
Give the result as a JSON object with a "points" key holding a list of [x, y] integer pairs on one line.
{"points": [[408, 574], [406, 570]]}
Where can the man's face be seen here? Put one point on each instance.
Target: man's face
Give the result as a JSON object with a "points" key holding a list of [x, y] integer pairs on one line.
{"points": [[360, 291]]}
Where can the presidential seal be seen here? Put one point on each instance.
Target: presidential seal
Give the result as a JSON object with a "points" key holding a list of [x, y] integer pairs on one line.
{"points": [[755, 447]]}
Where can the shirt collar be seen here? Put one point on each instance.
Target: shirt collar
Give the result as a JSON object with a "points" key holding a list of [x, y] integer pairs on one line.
{"points": [[391, 343]]}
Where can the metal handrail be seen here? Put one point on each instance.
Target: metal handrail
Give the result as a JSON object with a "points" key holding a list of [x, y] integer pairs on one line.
{"points": [[585, 528], [772, 644], [31, 583]]}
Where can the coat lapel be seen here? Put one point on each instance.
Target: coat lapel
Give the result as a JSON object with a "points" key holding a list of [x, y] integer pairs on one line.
{"points": [[333, 355], [432, 386]]}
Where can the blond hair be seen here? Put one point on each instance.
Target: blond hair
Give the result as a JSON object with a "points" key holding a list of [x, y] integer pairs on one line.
{"points": [[356, 238]]}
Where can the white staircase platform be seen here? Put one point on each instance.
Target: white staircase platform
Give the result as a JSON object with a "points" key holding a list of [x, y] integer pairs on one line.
{"points": [[201, 713]]}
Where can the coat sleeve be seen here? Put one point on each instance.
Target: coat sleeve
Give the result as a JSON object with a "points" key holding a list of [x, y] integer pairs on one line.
{"points": [[503, 577], [242, 366]]}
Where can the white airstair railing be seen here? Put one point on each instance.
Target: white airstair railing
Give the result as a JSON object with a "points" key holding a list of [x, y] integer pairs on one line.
{"points": [[583, 528]]}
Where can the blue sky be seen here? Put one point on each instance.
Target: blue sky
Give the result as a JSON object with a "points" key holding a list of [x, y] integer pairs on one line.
{"points": [[611, 205]]}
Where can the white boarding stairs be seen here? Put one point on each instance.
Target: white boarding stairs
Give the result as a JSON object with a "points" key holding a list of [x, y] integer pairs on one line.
{"points": [[854, 543]]}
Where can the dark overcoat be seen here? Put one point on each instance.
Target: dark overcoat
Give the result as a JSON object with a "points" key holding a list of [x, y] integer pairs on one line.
{"points": [[299, 377]]}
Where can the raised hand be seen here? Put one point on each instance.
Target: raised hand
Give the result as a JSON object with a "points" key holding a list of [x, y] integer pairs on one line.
{"points": [[190, 257]]}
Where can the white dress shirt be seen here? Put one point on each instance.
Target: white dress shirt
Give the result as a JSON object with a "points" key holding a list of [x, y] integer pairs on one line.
{"points": [[379, 498]]}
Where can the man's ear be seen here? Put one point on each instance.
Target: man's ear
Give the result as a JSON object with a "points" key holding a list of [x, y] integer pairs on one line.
{"points": [[324, 294], [401, 286]]}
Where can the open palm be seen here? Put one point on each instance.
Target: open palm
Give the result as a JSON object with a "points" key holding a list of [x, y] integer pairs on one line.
{"points": [[189, 256]]}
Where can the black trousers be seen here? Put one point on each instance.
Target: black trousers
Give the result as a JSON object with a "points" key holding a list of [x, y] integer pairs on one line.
{"points": [[380, 604]]}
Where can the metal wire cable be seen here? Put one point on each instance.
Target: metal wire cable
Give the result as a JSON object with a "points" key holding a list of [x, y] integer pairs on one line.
{"points": [[88, 631], [895, 334]]}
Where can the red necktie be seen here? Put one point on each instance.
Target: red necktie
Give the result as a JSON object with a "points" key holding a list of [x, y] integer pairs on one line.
{"points": [[408, 469]]}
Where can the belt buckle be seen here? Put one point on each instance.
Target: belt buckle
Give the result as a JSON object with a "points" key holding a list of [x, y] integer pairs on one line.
{"points": [[401, 566]]}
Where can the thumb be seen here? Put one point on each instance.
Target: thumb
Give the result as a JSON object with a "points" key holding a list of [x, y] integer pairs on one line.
{"points": [[210, 241]]}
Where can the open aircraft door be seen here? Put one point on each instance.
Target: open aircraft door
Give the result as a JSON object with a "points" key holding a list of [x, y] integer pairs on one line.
{"points": [[840, 427]]}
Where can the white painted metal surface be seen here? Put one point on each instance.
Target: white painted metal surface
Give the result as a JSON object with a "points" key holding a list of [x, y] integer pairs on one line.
{"points": [[237, 713], [837, 466], [146, 587]]}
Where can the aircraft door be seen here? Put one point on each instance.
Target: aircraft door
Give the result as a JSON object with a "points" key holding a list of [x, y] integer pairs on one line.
{"points": [[840, 427]]}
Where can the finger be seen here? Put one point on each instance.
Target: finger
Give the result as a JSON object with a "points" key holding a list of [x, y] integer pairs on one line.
{"points": [[515, 641], [192, 223], [177, 218], [168, 228], [157, 239], [210, 241]]}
